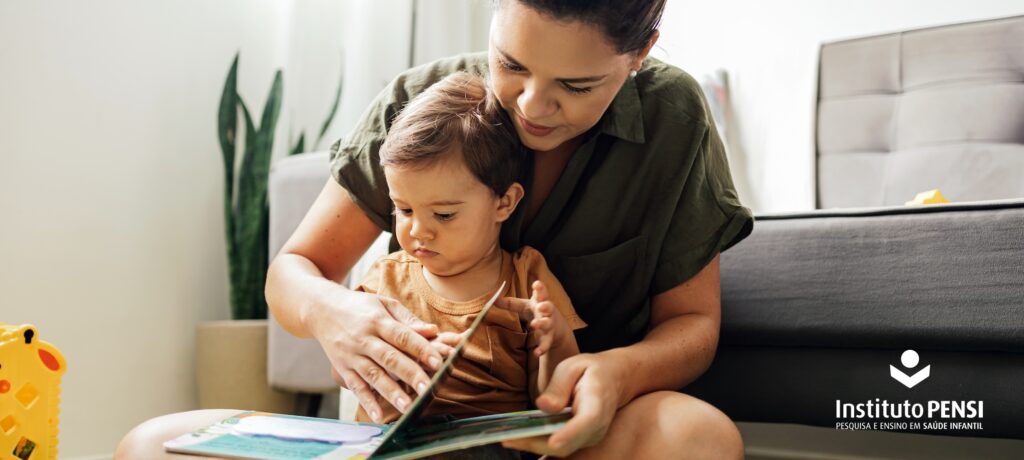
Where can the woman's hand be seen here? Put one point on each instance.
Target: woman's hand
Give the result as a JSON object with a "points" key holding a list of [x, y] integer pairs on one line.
{"points": [[592, 384], [373, 343], [446, 342]]}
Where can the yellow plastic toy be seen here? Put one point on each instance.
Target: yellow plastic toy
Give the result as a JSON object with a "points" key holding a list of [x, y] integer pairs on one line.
{"points": [[30, 372], [930, 197]]}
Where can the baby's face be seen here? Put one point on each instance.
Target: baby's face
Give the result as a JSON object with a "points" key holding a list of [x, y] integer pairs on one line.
{"points": [[444, 216]]}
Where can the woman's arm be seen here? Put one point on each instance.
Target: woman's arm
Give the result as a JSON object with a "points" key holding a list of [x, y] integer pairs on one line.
{"points": [[682, 340], [328, 242], [365, 337]]}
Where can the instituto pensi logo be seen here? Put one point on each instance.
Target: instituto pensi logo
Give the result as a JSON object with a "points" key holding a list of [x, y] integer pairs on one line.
{"points": [[910, 359], [908, 415]]}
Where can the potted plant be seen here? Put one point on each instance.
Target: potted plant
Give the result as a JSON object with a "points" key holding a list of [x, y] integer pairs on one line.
{"points": [[232, 355]]}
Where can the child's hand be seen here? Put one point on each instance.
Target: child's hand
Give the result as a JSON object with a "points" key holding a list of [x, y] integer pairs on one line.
{"points": [[547, 325]]}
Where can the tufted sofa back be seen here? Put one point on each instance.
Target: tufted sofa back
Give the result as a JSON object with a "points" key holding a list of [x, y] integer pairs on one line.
{"points": [[912, 111]]}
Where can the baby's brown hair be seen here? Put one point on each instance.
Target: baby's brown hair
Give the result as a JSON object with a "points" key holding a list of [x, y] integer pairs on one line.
{"points": [[458, 113]]}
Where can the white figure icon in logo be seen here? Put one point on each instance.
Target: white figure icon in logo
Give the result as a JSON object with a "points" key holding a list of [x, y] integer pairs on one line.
{"points": [[910, 360]]}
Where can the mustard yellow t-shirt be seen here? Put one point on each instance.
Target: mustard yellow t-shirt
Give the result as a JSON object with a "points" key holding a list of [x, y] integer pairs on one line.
{"points": [[491, 377]]}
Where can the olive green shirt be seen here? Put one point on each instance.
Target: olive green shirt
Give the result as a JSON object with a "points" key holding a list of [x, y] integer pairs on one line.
{"points": [[643, 204]]}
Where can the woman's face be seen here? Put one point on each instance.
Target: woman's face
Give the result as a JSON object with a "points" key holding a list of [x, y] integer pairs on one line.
{"points": [[554, 78]]}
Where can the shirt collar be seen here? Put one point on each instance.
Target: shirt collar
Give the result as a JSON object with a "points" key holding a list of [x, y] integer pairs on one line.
{"points": [[624, 117]]}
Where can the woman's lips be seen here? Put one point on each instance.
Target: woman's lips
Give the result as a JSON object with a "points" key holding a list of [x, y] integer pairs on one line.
{"points": [[535, 130], [423, 253]]}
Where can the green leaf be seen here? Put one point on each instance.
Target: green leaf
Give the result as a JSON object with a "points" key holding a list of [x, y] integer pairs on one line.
{"points": [[241, 304], [251, 214], [227, 126], [334, 107], [227, 120], [300, 146]]}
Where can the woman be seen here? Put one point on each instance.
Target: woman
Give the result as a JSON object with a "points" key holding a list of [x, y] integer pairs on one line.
{"points": [[629, 198]]}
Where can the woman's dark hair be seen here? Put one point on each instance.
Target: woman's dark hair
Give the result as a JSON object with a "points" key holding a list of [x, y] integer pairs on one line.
{"points": [[629, 24]]}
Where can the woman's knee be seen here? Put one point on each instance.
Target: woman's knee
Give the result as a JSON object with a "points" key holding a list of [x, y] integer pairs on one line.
{"points": [[677, 422], [146, 440]]}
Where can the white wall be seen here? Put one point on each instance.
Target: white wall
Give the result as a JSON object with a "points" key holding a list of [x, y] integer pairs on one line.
{"points": [[770, 50], [111, 233], [378, 39]]}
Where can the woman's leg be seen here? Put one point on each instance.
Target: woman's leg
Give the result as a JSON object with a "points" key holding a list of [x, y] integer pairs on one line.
{"points": [[668, 424], [146, 440]]}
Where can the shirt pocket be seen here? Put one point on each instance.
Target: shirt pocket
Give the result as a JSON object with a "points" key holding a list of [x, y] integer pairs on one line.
{"points": [[508, 358], [594, 280]]}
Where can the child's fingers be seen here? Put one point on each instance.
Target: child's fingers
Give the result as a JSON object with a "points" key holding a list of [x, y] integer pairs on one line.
{"points": [[523, 307], [540, 310], [545, 308], [544, 345], [542, 318], [540, 292]]}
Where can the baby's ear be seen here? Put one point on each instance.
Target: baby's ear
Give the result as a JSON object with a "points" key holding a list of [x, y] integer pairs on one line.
{"points": [[507, 203]]}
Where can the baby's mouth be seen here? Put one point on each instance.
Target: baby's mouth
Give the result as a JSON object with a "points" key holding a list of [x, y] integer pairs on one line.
{"points": [[423, 252]]}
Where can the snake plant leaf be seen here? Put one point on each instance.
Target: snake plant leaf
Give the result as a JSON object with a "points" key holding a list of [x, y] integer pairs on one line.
{"points": [[334, 107], [246, 214], [241, 295], [250, 127], [227, 125], [300, 146], [251, 206]]}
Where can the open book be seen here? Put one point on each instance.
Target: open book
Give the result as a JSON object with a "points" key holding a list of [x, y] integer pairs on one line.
{"points": [[259, 435]]}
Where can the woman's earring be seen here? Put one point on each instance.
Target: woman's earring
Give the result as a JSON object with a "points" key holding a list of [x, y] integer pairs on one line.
{"points": [[632, 73]]}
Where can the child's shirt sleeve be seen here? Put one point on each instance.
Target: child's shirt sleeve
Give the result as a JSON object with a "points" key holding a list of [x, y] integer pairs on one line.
{"points": [[530, 264]]}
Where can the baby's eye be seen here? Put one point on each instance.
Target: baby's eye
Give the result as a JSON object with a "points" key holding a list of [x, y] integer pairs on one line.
{"points": [[443, 216], [402, 212]]}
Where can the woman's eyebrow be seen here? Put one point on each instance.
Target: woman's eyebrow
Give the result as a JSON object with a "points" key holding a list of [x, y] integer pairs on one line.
{"points": [[589, 79]]}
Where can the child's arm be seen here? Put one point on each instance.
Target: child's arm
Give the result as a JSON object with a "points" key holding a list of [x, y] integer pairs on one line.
{"points": [[550, 338]]}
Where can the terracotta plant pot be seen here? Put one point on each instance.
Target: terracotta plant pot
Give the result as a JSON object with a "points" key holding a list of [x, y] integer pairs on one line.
{"points": [[231, 368]]}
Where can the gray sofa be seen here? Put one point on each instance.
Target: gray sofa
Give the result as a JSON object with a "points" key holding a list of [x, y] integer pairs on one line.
{"points": [[817, 305]]}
